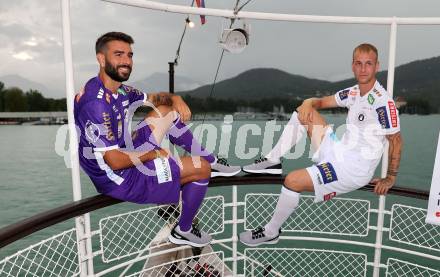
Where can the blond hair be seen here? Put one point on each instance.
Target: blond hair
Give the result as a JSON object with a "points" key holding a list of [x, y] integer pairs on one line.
{"points": [[365, 48]]}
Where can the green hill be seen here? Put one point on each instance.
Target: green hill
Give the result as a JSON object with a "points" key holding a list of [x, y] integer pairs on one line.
{"points": [[415, 81]]}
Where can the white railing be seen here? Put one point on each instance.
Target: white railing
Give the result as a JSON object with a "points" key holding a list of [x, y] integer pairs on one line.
{"points": [[126, 241], [83, 223]]}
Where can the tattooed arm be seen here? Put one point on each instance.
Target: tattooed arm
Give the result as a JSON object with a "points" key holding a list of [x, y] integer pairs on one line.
{"points": [[168, 99], [395, 150]]}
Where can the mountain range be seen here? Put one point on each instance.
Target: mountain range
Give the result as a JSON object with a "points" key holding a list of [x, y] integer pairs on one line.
{"points": [[418, 79]]}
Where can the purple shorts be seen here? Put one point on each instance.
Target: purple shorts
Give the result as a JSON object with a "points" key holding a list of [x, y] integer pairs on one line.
{"points": [[156, 181]]}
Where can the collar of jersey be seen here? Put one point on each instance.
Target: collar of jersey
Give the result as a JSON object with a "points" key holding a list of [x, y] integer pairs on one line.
{"points": [[101, 84]]}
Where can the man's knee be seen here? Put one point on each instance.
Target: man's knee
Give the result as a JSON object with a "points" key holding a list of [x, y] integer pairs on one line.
{"points": [[202, 167], [293, 182], [160, 111]]}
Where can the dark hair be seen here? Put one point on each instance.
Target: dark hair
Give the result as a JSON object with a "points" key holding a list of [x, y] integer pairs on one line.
{"points": [[102, 41]]}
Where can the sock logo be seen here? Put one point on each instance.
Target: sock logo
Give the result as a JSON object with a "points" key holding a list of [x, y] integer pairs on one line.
{"points": [[328, 173], [329, 196]]}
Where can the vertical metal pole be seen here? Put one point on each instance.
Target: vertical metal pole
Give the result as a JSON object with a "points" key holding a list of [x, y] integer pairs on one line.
{"points": [[171, 76], [234, 230], [82, 223], [390, 87]]}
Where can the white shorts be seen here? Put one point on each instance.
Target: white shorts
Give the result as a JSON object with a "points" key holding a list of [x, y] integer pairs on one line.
{"points": [[331, 177]]}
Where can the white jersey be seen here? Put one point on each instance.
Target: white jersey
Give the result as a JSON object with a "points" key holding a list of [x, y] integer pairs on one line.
{"points": [[370, 118]]}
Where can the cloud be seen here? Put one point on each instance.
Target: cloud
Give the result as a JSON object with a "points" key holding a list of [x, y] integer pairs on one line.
{"points": [[24, 56]]}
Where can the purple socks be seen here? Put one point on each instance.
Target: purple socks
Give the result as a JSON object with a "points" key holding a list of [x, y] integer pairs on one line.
{"points": [[192, 197], [181, 135]]}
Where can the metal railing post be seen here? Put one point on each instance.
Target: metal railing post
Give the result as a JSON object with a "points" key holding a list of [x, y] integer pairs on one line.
{"points": [[381, 209], [83, 222], [234, 230]]}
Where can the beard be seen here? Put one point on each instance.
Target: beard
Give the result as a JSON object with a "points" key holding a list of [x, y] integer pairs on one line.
{"points": [[112, 72]]}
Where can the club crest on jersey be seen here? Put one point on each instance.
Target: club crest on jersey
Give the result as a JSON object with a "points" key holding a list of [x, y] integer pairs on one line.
{"points": [[343, 94], [393, 113], [370, 99], [92, 131], [328, 173], [122, 91], [382, 116]]}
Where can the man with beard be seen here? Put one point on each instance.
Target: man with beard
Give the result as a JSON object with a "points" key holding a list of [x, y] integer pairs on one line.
{"points": [[135, 168], [341, 166]]}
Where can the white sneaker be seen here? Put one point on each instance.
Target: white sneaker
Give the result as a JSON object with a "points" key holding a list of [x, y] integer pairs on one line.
{"points": [[264, 166], [222, 168], [194, 237], [258, 236]]}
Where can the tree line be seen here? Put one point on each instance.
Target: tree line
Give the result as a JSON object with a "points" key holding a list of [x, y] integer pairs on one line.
{"points": [[14, 99]]}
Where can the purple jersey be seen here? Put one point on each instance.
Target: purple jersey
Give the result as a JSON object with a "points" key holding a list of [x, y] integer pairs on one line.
{"points": [[102, 118]]}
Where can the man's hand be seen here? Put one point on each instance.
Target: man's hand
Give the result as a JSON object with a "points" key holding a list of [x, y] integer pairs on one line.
{"points": [[305, 111], [382, 185], [181, 107]]}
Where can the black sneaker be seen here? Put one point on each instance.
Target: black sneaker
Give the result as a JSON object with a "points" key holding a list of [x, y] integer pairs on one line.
{"points": [[195, 237]]}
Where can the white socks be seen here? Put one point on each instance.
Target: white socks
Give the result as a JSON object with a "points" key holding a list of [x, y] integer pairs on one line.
{"points": [[292, 134], [287, 203]]}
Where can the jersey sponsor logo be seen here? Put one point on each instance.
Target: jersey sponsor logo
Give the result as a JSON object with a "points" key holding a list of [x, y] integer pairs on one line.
{"points": [[100, 93], [125, 103], [328, 173], [352, 93], [108, 126], [115, 109], [370, 99], [329, 196], [377, 92], [92, 131], [343, 94], [393, 113], [437, 214], [383, 117]]}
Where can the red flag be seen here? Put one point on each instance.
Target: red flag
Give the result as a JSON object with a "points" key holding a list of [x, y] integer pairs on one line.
{"points": [[201, 4]]}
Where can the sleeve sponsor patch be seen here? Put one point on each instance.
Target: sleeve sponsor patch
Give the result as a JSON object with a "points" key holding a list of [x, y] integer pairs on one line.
{"points": [[328, 173], [343, 94], [393, 113], [382, 116]]}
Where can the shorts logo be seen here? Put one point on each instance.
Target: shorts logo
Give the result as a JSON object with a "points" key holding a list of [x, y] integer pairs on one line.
{"points": [[370, 99], [163, 170], [383, 117], [327, 172], [343, 94], [393, 113], [329, 196]]}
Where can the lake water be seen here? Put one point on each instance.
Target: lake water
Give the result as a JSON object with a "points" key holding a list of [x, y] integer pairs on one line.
{"points": [[33, 178]]}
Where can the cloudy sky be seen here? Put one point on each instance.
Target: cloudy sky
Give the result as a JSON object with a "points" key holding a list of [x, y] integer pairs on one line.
{"points": [[31, 38]]}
